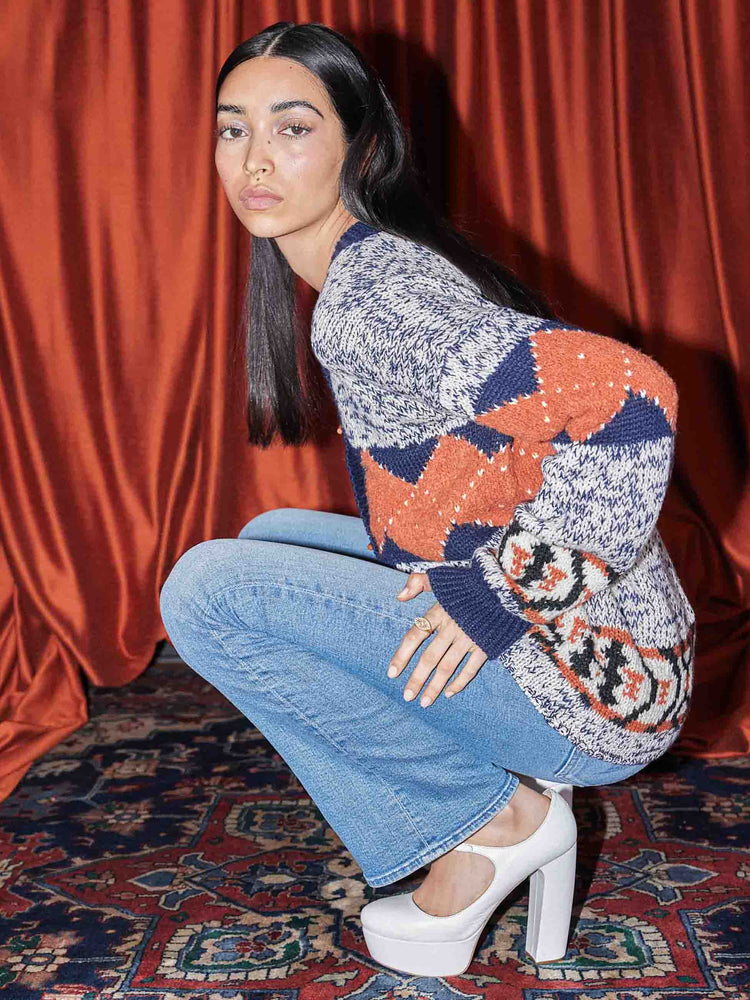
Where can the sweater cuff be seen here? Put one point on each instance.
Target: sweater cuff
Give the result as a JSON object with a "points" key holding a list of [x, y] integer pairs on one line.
{"points": [[472, 604]]}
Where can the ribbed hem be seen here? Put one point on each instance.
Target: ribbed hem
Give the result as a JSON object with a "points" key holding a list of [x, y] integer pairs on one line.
{"points": [[447, 843], [476, 608]]}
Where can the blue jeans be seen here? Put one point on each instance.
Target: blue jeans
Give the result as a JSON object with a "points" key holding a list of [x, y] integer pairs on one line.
{"points": [[295, 622]]}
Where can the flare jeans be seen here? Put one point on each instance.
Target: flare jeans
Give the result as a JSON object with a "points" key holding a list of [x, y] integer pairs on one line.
{"points": [[295, 622]]}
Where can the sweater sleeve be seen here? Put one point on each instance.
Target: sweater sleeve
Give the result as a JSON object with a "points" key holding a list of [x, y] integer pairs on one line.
{"points": [[591, 430], [551, 446]]}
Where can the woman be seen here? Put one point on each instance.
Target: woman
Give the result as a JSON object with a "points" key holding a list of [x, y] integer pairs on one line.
{"points": [[512, 465]]}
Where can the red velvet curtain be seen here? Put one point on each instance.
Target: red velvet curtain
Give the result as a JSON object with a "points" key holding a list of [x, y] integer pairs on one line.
{"points": [[598, 147]]}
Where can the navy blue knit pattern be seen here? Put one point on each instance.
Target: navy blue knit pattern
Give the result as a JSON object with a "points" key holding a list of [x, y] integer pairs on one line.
{"points": [[521, 463]]}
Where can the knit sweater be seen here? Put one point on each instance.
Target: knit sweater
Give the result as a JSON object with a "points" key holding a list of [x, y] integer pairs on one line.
{"points": [[521, 463]]}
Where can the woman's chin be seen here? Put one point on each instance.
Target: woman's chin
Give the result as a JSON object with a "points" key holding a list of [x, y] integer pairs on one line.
{"points": [[261, 222]]}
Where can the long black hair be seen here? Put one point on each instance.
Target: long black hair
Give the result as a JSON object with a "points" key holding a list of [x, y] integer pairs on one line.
{"points": [[380, 185]]}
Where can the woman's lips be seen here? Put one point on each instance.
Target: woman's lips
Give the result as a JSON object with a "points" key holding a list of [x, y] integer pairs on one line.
{"points": [[260, 200]]}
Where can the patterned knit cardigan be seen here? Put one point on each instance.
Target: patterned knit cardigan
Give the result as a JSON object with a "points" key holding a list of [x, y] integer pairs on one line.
{"points": [[522, 464]]}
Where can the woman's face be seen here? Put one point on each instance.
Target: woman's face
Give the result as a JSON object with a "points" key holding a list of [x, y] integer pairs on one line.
{"points": [[296, 151]]}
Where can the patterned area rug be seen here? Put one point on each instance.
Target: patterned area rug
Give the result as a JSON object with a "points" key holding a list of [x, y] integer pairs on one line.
{"points": [[166, 851]]}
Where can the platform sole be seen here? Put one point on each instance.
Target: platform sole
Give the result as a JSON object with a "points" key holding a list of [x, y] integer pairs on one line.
{"points": [[423, 958]]}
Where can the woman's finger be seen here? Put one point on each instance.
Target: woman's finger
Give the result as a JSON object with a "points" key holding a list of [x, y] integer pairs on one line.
{"points": [[468, 673], [415, 584], [428, 661], [444, 671], [412, 639]]}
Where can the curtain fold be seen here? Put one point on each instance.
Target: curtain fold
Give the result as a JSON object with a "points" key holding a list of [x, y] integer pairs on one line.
{"points": [[597, 147]]}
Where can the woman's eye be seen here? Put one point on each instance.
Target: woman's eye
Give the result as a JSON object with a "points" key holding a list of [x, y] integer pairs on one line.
{"points": [[297, 125], [219, 132], [298, 131]]}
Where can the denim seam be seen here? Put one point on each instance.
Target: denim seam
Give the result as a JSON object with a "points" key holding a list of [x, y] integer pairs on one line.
{"points": [[568, 767], [447, 843], [303, 590], [311, 722], [430, 851]]}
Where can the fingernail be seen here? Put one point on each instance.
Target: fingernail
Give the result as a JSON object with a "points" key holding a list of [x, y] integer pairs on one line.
{"points": [[425, 701], [408, 695], [391, 671], [401, 592], [448, 694]]}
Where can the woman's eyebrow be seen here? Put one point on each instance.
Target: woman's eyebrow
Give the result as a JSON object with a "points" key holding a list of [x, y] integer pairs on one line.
{"points": [[236, 109]]}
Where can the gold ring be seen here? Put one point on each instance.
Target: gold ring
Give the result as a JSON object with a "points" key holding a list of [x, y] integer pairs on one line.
{"points": [[423, 623]]}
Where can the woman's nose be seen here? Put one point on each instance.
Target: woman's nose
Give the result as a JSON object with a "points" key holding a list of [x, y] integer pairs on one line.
{"points": [[257, 156]]}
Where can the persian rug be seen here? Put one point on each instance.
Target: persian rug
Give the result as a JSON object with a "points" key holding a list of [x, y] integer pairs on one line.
{"points": [[165, 850]]}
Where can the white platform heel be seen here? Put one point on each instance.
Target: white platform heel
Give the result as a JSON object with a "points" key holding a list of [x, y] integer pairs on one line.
{"points": [[551, 891], [404, 937]]}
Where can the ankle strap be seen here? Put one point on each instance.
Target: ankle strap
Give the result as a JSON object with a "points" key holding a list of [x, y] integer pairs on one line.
{"points": [[549, 793]]}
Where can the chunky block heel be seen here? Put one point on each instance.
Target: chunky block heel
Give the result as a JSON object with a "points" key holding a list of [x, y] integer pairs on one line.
{"points": [[404, 937], [550, 906]]}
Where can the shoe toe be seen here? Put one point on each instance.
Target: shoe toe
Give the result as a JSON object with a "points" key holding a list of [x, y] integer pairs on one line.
{"points": [[390, 915]]}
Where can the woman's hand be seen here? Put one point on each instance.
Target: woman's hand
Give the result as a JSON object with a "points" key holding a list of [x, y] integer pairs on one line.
{"points": [[448, 647]]}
